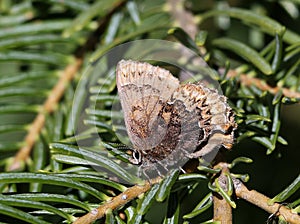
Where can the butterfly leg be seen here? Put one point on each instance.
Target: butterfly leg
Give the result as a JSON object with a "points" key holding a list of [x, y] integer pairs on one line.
{"points": [[182, 170]]}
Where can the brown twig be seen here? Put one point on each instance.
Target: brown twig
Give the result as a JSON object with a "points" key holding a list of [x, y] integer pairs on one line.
{"points": [[49, 106], [222, 209], [116, 202], [262, 85], [183, 18], [261, 201]]}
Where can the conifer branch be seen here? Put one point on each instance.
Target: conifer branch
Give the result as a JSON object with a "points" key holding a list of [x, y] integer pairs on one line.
{"points": [[262, 85], [262, 201], [49, 106], [116, 202]]}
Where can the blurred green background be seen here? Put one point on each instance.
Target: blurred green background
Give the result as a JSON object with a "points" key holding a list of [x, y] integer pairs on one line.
{"points": [[38, 39]]}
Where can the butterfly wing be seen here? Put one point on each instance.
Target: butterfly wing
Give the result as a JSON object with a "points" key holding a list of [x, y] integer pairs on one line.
{"points": [[143, 90], [198, 120], [183, 133], [207, 121]]}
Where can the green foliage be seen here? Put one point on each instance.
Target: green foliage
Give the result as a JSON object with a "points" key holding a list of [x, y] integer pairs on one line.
{"points": [[62, 180]]}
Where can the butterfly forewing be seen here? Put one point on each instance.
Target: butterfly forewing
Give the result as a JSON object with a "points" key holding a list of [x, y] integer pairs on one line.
{"points": [[143, 90]]}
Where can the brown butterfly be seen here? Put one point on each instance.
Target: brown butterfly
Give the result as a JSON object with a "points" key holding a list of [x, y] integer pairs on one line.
{"points": [[167, 122]]}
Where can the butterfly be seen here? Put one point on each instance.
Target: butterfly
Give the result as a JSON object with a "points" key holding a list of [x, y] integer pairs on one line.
{"points": [[168, 122]]}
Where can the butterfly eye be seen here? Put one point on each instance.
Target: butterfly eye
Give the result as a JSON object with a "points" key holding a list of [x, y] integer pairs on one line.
{"points": [[136, 157]]}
